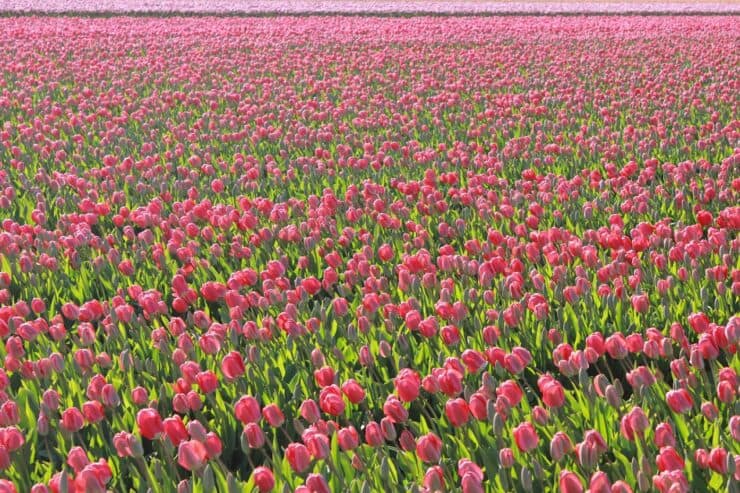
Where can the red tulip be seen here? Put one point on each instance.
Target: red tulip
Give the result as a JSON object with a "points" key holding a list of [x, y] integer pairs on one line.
{"points": [[353, 391], [407, 385], [331, 401], [669, 460], [570, 482], [273, 415], [434, 479], [394, 410], [457, 411], [374, 434], [348, 438], [324, 376], [232, 366], [680, 401], [150, 423], [175, 430], [298, 457], [317, 484], [247, 409], [552, 391], [254, 435], [525, 437], [72, 420], [560, 445], [93, 411], [263, 479]]}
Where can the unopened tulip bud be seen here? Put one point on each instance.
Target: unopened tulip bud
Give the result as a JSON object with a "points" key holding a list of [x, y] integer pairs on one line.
{"points": [[643, 483], [612, 396], [506, 457], [209, 481], [526, 479], [498, 424]]}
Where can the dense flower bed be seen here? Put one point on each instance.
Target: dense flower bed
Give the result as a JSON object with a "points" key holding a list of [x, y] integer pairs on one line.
{"points": [[355, 254], [374, 6]]}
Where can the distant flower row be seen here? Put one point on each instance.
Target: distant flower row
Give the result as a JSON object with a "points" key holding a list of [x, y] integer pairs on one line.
{"points": [[359, 6]]}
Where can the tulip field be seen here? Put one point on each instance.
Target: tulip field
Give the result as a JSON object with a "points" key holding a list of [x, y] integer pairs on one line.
{"points": [[363, 254]]}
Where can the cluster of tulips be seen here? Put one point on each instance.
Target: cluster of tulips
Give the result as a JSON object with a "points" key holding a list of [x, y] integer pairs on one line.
{"points": [[351, 254]]}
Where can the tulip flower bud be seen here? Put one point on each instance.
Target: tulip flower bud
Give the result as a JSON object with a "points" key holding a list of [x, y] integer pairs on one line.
{"points": [[42, 425], [612, 396], [643, 483], [209, 481], [137, 449], [526, 479], [184, 486], [539, 473], [498, 424], [506, 457]]}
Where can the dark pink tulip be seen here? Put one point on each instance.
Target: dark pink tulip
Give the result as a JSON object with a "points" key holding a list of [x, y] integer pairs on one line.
{"points": [[560, 445], [407, 441], [525, 437], [263, 479], [429, 448], [318, 443], [324, 376], [680, 401], [93, 411], [254, 435], [273, 415], [298, 457], [599, 483], [348, 438], [621, 487], [213, 444], [664, 435], [407, 385], [669, 460], [511, 391], [140, 396], [353, 391], [247, 409], [232, 366], [331, 401], [72, 419], [394, 410], [175, 430], [569, 482], [207, 381], [552, 391], [434, 479], [310, 411], [457, 411], [317, 484], [718, 460], [506, 457]]}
